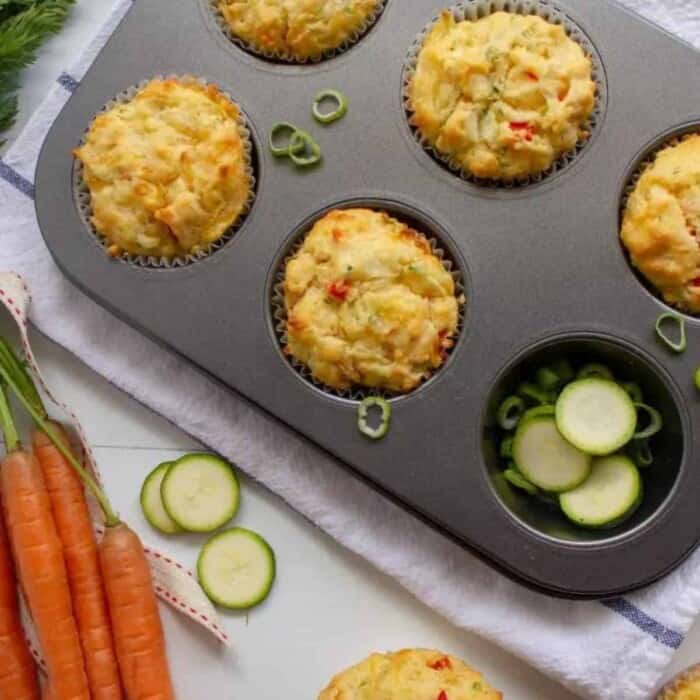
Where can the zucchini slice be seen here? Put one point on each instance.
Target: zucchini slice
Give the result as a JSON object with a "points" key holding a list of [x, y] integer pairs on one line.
{"points": [[152, 503], [236, 568], [609, 496], [596, 415], [200, 492], [545, 458]]}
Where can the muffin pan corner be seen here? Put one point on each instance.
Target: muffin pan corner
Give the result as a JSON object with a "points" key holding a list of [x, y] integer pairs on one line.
{"points": [[541, 267]]}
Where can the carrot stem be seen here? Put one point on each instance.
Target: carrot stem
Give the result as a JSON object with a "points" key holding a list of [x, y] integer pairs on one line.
{"points": [[8, 425], [111, 518], [19, 371]]}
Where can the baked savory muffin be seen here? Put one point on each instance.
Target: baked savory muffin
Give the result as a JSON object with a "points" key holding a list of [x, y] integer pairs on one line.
{"points": [[368, 303], [686, 686], [411, 674], [299, 30], [661, 224], [502, 97], [168, 171]]}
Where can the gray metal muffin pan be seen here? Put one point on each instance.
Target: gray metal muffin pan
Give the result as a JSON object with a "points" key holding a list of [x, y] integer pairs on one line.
{"points": [[542, 265]]}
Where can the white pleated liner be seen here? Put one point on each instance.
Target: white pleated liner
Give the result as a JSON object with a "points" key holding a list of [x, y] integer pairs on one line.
{"points": [[476, 9], [81, 191]]}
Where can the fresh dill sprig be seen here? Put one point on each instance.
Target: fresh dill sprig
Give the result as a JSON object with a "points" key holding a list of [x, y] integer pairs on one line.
{"points": [[24, 25]]}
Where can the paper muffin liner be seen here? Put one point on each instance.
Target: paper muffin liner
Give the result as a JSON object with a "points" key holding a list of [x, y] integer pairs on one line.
{"points": [[646, 161], [477, 9], [83, 199], [281, 57], [358, 393]]}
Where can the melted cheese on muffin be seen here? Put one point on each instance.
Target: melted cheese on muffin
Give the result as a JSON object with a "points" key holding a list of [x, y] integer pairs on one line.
{"points": [[411, 674], [661, 225], [167, 171], [368, 303], [502, 97], [297, 29]]}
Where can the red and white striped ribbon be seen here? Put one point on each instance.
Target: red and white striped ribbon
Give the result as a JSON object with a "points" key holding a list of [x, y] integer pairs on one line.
{"points": [[173, 583]]}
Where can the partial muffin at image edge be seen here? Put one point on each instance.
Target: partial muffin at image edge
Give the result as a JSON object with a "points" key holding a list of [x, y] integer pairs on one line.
{"points": [[168, 170], [661, 224], [368, 303], [295, 31], [502, 97], [685, 686], [410, 673]]}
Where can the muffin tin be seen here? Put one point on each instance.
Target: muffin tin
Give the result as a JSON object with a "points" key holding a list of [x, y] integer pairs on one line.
{"points": [[541, 264]]}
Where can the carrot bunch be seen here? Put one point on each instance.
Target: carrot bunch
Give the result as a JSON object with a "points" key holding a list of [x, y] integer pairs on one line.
{"points": [[93, 604]]}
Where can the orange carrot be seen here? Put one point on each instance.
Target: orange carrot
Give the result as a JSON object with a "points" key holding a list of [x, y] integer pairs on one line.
{"points": [[75, 531], [18, 679], [42, 573], [138, 632]]}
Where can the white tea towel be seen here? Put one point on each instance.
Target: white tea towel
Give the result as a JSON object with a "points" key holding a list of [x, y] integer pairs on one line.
{"points": [[612, 651]]}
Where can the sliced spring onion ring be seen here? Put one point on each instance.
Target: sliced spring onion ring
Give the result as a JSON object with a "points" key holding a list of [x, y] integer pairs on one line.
{"points": [[303, 149], [546, 409], [634, 390], [528, 390], [509, 412], [696, 378], [547, 378], [337, 97], [281, 136], [595, 369], [363, 412], [506, 450], [675, 345], [642, 454], [656, 422], [515, 478]]}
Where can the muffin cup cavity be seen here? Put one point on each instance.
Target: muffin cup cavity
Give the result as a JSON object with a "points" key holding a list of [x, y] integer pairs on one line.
{"points": [[81, 191], [477, 9], [212, 6], [628, 364], [640, 163], [441, 248]]}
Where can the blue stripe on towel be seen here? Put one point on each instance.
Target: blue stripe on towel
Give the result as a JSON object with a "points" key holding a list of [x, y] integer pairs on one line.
{"points": [[68, 82], [637, 617], [16, 180]]}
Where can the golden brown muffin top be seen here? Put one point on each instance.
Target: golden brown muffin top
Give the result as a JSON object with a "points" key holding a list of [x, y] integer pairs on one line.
{"points": [[410, 674], [298, 29], [168, 170], [685, 687], [661, 224], [502, 97], [368, 302]]}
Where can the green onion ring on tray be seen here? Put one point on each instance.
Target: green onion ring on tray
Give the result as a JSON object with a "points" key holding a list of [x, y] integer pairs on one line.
{"points": [[340, 100], [303, 149], [675, 345], [363, 413], [281, 130]]}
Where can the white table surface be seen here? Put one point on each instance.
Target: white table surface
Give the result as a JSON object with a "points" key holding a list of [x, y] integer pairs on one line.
{"points": [[328, 608]]}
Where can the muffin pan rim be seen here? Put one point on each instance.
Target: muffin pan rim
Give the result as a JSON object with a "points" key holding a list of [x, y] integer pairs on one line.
{"points": [[598, 337], [397, 466]]}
